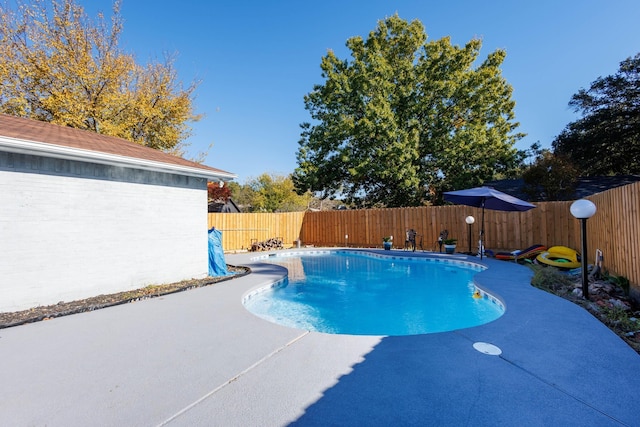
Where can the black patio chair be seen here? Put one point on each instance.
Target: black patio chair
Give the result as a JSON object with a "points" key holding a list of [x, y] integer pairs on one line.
{"points": [[410, 240]]}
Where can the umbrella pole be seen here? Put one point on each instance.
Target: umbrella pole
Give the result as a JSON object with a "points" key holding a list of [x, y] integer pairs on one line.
{"points": [[481, 248]]}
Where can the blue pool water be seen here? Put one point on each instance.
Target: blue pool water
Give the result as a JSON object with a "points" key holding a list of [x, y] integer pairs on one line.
{"points": [[359, 294]]}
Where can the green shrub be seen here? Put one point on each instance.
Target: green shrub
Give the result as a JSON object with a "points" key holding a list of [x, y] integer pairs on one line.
{"points": [[619, 318], [620, 281], [550, 279]]}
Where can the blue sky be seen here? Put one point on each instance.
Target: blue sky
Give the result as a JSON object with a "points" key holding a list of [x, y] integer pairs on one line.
{"points": [[257, 59]]}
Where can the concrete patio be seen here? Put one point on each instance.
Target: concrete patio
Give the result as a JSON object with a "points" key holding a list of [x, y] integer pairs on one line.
{"points": [[198, 358]]}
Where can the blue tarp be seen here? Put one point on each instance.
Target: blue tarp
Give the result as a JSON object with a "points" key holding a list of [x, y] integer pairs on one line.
{"points": [[217, 264]]}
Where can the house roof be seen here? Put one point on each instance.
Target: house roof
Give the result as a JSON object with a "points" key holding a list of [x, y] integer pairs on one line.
{"points": [[224, 207], [585, 186], [27, 136]]}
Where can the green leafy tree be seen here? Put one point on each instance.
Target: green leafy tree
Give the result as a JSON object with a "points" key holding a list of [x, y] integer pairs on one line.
{"points": [[606, 140], [550, 177], [276, 194], [242, 195], [406, 119], [57, 65]]}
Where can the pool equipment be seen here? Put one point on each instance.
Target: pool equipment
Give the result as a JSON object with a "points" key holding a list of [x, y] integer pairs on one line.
{"points": [[217, 264], [530, 252], [561, 257]]}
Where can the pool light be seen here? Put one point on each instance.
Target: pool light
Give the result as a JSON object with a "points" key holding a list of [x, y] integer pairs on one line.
{"points": [[486, 348]]}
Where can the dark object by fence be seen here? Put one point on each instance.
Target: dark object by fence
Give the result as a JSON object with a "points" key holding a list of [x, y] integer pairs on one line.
{"points": [[267, 245]]}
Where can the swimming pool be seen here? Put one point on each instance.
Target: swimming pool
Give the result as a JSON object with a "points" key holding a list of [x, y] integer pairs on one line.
{"points": [[360, 293]]}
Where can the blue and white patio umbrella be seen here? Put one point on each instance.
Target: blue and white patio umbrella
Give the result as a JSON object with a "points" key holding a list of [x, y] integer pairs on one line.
{"points": [[489, 198]]}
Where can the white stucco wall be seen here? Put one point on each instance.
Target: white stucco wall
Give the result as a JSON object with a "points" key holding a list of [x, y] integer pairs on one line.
{"points": [[71, 230]]}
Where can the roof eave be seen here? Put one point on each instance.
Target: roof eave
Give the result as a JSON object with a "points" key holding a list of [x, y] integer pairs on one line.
{"points": [[21, 146]]}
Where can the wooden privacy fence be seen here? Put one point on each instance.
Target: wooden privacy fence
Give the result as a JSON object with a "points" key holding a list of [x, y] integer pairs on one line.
{"points": [[614, 229], [240, 230]]}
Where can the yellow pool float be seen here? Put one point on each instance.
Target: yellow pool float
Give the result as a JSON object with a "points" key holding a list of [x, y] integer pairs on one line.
{"points": [[561, 257]]}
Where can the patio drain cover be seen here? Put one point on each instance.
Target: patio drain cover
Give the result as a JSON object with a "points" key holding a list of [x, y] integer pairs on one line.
{"points": [[486, 348]]}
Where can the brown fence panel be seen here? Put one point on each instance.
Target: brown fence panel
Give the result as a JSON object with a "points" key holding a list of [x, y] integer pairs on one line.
{"points": [[551, 224], [240, 230], [615, 229], [365, 228]]}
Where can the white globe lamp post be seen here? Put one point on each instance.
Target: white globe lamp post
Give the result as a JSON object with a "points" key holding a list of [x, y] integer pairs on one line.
{"points": [[583, 209], [469, 220]]}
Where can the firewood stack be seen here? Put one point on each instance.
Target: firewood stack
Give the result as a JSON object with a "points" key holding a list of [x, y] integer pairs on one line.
{"points": [[267, 245]]}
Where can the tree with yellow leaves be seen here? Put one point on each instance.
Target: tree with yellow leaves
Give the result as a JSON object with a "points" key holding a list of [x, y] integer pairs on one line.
{"points": [[276, 193], [57, 65]]}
